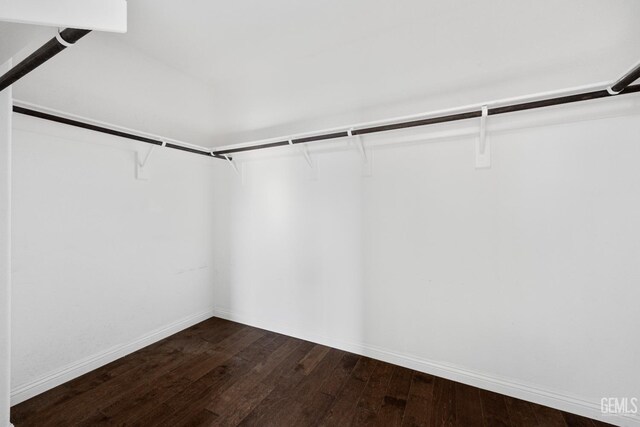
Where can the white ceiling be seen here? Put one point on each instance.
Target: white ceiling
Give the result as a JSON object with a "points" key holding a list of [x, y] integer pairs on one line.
{"points": [[216, 73]]}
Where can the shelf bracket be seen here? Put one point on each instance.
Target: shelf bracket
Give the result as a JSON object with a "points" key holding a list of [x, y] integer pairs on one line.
{"points": [[307, 156], [142, 172], [234, 166], [483, 147], [367, 163], [313, 163]]}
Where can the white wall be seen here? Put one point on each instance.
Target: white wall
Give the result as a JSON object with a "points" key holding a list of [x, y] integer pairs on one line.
{"points": [[520, 279], [5, 248], [523, 278], [103, 263], [16, 36]]}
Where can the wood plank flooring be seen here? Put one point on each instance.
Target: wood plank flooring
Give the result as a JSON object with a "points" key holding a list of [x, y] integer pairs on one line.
{"points": [[220, 373]]}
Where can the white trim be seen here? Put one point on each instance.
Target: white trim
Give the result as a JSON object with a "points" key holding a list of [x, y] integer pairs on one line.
{"points": [[555, 399], [5, 264], [81, 367]]}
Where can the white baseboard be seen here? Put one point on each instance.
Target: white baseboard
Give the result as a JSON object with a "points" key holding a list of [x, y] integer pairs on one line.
{"points": [[74, 370], [505, 386]]}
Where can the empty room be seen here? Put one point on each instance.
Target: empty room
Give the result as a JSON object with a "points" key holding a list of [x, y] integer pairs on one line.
{"points": [[319, 213]]}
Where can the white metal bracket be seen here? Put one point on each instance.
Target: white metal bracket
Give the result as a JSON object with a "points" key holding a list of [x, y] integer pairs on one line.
{"points": [[367, 160], [307, 156], [483, 147], [235, 166], [312, 162], [62, 41], [142, 172]]}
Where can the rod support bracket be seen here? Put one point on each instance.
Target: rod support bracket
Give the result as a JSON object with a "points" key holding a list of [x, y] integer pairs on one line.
{"points": [[483, 148], [307, 156], [142, 172], [233, 164], [305, 152], [311, 162], [367, 158], [61, 40]]}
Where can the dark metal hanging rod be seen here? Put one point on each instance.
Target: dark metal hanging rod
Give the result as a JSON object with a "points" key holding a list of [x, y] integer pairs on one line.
{"points": [[69, 36], [60, 42], [567, 99], [102, 129], [624, 81], [47, 51], [223, 154]]}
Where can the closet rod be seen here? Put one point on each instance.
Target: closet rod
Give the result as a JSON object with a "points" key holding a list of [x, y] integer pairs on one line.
{"points": [[60, 42], [559, 100], [623, 82], [102, 129]]}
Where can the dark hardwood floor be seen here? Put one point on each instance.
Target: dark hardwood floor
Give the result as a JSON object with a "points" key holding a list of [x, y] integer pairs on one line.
{"points": [[224, 373]]}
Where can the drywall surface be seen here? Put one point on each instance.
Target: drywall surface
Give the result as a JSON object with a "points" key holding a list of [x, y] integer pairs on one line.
{"points": [[5, 249], [523, 278], [102, 263]]}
